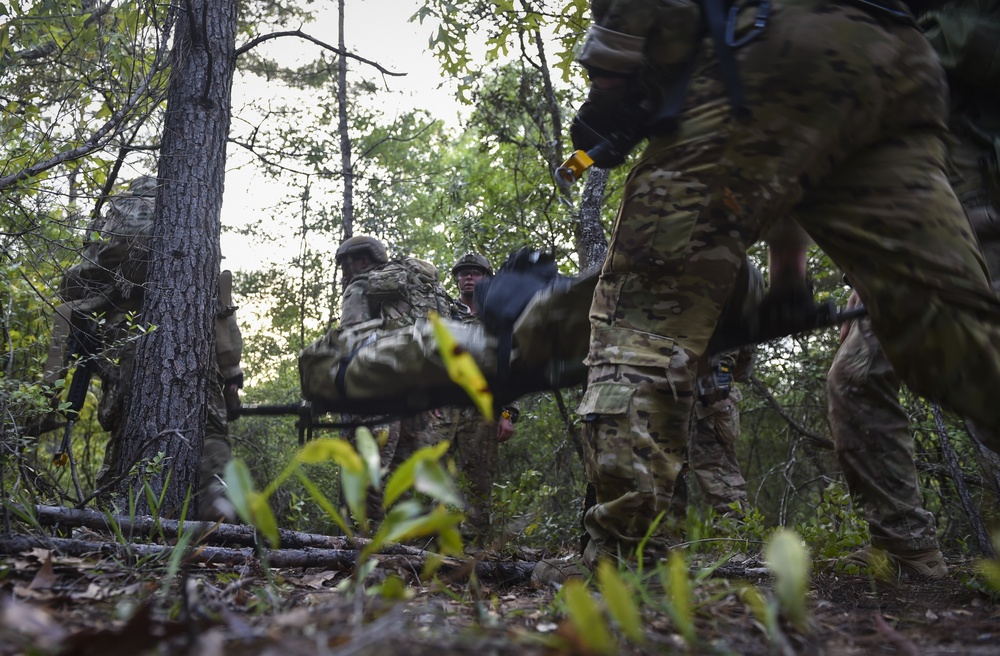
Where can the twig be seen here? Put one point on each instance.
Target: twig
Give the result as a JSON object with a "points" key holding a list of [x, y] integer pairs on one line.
{"points": [[899, 641], [978, 527], [820, 440]]}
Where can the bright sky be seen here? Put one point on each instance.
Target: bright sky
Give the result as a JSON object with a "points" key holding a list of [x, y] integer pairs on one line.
{"points": [[378, 30]]}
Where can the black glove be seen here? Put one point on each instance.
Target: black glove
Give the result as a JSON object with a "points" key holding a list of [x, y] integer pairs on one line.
{"points": [[781, 312], [608, 125], [786, 311]]}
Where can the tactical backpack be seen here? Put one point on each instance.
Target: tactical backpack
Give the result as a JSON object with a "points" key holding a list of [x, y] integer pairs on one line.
{"points": [[401, 291], [112, 269]]}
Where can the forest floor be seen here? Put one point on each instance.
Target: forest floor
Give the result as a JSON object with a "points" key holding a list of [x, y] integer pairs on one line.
{"points": [[54, 603]]}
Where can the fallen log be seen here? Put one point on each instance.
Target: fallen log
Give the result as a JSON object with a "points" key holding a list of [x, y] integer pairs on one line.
{"points": [[204, 532], [342, 560]]}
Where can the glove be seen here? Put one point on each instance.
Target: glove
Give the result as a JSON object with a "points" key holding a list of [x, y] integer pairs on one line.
{"points": [[781, 312], [608, 125]]}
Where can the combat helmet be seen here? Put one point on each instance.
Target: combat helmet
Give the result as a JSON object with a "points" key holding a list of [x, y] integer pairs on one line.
{"points": [[144, 185], [362, 244], [472, 260]]}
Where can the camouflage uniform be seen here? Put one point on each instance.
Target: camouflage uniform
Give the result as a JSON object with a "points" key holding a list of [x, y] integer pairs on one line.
{"points": [[476, 450], [846, 133], [108, 281], [389, 296], [712, 446], [870, 427]]}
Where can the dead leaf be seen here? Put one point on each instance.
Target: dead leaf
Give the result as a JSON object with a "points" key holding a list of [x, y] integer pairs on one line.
{"points": [[316, 581], [93, 591], [40, 553], [25, 592], [31, 621], [45, 577]]}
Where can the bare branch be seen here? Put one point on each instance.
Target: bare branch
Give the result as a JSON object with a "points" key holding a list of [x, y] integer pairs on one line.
{"points": [[820, 440], [322, 44], [107, 132]]}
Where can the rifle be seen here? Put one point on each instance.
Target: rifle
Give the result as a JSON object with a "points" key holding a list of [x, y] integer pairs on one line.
{"points": [[307, 414], [82, 346]]}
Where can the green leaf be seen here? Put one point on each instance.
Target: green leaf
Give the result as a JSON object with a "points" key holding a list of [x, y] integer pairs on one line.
{"points": [[251, 506], [586, 618], [370, 455], [620, 601], [331, 449], [324, 503], [354, 485], [682, 602], [263, 518], [404, 478], [405, 522], [430, 478]]}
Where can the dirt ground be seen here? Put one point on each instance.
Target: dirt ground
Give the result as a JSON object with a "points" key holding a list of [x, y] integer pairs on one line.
{"points": [[56, 604]]}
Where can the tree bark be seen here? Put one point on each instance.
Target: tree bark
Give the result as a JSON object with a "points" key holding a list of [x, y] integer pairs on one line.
{"points": [[345, 137], [165, 410], [592, 242], [983, 445]]}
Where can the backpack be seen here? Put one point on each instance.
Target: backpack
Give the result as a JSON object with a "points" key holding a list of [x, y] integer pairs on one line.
{"points": [[402, 291], [113, 264]]}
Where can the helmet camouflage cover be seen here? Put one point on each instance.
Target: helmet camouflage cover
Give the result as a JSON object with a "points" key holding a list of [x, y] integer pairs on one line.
{"points": [[472, 260], [362, 244]]}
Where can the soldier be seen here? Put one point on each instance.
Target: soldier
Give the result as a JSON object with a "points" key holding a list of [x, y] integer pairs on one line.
{"points": [[834, 113], [475, 441], [390, 294], [711, 453], [870, 427], [108, 283]]}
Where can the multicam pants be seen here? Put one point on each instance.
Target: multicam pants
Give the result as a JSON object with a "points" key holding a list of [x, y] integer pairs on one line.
{"points": [[870, 427], [874, 444], [712, 453], [845, 134], [476, 451]]}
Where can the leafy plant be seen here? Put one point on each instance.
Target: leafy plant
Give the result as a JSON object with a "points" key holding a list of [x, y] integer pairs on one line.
{"points": [[360, 472]]}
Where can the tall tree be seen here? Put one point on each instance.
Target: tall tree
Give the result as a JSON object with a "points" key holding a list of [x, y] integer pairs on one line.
{"points": [[166, 411], [347, 165]]}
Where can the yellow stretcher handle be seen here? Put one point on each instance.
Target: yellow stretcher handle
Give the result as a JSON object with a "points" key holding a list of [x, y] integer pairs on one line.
{"points": [[573, 168]]}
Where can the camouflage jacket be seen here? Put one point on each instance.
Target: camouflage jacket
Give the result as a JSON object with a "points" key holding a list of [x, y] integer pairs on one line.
{"points": [[398, 293]]}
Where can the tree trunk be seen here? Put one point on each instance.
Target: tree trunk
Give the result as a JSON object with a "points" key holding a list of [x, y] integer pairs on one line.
{"points": [[592, 242], [345, 137], [165, 411]]}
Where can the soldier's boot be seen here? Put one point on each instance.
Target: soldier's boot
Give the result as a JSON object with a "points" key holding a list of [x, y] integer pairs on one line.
{"points": [[212, 503], [886, 565], [215, 506]]}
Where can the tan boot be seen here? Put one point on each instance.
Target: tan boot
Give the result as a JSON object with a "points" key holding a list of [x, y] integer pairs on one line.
{"points": [[886, 565]]}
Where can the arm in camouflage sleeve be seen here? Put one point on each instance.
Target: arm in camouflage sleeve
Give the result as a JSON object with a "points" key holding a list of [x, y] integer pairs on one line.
{"points": [[616, 42], [354, 307], [228, 338]]}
